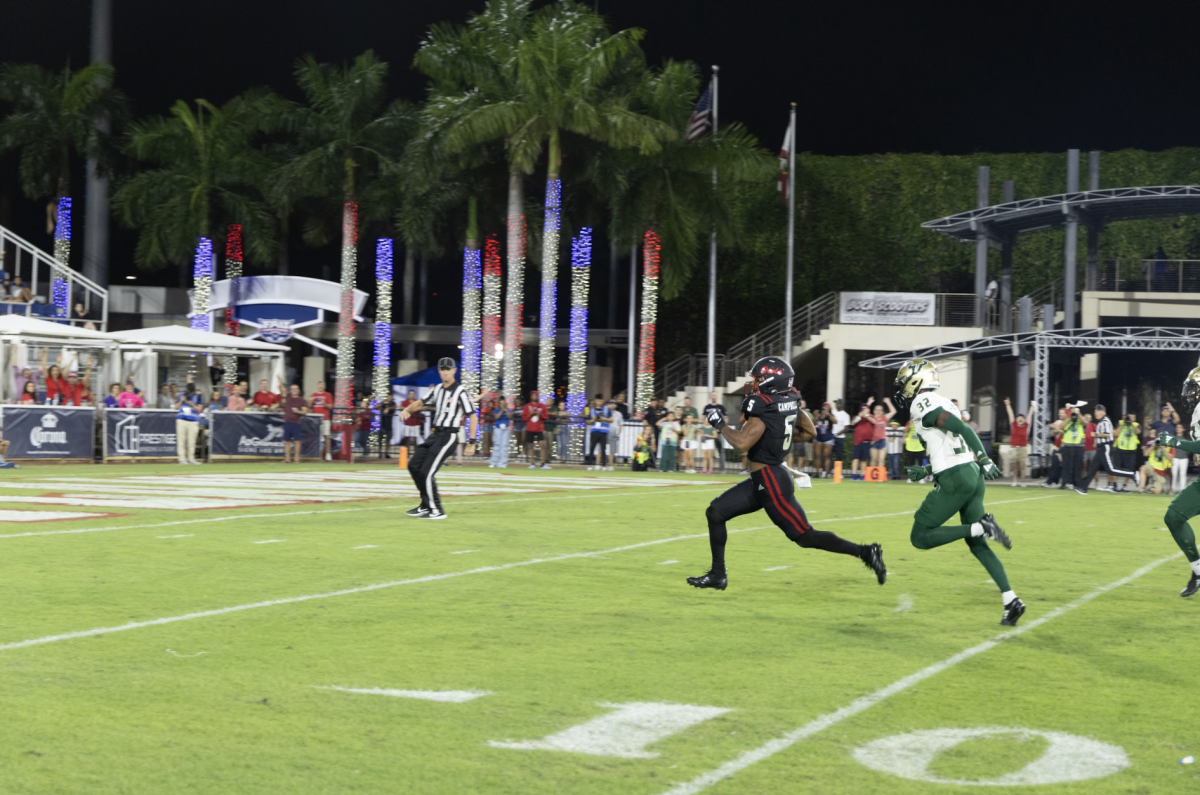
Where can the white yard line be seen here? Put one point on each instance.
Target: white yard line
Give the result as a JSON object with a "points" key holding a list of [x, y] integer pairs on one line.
{"points": [[768, 749], [87, 633], [453, 504]]}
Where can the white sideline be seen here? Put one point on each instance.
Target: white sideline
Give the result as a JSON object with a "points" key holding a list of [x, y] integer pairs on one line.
{"points": [[87, 633], [819, 724]]}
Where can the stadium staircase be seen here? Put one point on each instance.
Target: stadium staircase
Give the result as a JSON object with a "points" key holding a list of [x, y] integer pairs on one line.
{"points": [[19, 257]]}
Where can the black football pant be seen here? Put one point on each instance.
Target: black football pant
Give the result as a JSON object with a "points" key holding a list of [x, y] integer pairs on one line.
{"points": [[425, 463], [770, 489], [1105, 458], [1072, 463]]}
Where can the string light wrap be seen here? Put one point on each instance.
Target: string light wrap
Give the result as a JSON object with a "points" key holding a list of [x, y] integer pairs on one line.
{"points": [[202, 284], [651, 254], [472, 331], [548, 322], [343, 399], [514, 308], [61, 292], [383, 335], [581, 260], [233, 272], [489, 365]]}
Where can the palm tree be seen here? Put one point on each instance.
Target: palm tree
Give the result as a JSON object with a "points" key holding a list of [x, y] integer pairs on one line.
{"points": [[204, 172], [665, 199], [526, 78], [55, 116], [345, 141]]}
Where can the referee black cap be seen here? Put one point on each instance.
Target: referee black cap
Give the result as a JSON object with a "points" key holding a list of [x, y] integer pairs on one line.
{"points": [[1100, 407], [446, 363]]}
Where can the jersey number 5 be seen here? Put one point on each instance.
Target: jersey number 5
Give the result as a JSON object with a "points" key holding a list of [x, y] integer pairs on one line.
{"points": [[787, 436]]}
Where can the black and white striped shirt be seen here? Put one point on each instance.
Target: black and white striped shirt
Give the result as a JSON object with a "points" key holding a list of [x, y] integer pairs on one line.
{"points": [[1104, 431], [449, 405]]}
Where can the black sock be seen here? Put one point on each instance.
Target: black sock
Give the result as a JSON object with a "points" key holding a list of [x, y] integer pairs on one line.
{"points": [[717, 536], [830, 542]]}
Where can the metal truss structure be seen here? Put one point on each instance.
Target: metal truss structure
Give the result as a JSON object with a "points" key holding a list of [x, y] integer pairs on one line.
{"points": [[1089, 340], [1029, 215]]}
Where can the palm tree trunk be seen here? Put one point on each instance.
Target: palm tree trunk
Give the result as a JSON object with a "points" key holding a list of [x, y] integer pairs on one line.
{"points": [[233, 273], [514, 299], [549, 325], [343, 399], [645, 372], [472, 285], [383, 339], [489, 365], [581, 261], [60, 290], [410, 268], [202, 273]]}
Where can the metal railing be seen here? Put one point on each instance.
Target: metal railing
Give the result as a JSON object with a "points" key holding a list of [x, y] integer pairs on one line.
{"points": [[690, 369], [951, 309], [1148, 275], [38, 269], [807, 321]]}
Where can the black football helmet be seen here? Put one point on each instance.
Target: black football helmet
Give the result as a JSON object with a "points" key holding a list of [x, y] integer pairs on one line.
{"points": [[771, 375], [1191, 390]]}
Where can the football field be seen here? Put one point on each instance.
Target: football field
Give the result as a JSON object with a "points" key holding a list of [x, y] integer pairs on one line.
{"points": [[268, 629]]}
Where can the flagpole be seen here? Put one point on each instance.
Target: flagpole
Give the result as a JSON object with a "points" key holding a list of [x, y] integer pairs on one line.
{"points": [[791, 244], [712, 258]]}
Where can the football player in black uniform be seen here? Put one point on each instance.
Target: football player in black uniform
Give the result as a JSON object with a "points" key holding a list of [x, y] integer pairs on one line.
{"points": [[770, 420]]}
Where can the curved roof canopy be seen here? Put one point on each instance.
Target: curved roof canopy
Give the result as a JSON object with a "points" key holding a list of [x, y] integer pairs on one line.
{"points": [[183, 338], [1044, 212]]}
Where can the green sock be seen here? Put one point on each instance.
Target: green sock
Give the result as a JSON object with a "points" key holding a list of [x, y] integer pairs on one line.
{"points": [[924, 537], [1181, 531], [984, 554]]}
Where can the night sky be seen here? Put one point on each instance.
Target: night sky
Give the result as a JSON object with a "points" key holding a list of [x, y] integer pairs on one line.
{"points": [[949, 78]]}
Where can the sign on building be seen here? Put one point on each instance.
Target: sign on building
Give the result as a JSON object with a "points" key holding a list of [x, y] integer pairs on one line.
{"points": [[889, 309]]}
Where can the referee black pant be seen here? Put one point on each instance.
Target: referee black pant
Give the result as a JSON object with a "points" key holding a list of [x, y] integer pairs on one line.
{"points": [[1105, 457], [425, 463], [1072, 463]]}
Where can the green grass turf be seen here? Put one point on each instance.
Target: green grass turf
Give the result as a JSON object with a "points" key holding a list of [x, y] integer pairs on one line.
{"points": [[552, 641]]}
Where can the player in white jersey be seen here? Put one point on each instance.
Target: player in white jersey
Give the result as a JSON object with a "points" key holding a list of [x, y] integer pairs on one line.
{"points": [[1187, 502], [959, 466]]}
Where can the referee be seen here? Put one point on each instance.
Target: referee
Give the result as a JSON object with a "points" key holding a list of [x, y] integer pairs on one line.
{"points": [[449, 403], [1104, 452]]}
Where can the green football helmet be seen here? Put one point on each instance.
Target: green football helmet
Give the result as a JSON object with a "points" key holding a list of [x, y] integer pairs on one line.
{"points": [[1191, 390], [914, 376]]}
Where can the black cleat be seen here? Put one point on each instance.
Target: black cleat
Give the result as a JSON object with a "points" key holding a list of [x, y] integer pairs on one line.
{"points": [[710, 579], [992, 530], [435, 514], [872, 558], [419, 512], [1192, 586], [1012, 613]]}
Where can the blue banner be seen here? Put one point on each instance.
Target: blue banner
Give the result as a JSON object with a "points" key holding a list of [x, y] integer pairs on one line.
{"points": [[48, 432], [139, 433], [252, 433]]}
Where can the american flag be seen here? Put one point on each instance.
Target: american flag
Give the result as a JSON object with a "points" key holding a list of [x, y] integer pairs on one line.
{"points": [[701, 121]]}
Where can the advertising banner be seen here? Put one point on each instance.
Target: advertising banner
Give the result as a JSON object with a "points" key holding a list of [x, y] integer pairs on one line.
{"points": [[250, 433], [889, 309], [139, 433], [49, 431]]}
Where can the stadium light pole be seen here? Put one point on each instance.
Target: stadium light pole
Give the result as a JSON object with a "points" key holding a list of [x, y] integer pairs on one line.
{"points": [[791, 242], [96, 212], [712, 256]]}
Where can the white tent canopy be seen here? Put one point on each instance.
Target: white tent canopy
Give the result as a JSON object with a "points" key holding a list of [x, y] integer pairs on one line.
{"points": [[143, 349], [190, 340], [34, 330]]}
